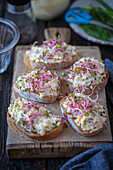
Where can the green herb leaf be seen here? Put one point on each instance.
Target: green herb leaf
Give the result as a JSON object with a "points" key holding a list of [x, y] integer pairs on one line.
{"points": [[104, 16], [105, 5]]}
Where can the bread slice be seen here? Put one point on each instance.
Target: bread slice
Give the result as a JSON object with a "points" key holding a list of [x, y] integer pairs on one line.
{"points": [[87, 76], [26, 121], [51, 55], [39, 85], [86, 116]]}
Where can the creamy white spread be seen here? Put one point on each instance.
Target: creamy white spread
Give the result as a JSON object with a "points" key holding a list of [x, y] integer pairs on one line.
{"points": [[52, 51], [86, 73], [87, 114], [44, 83], [33, 118]]}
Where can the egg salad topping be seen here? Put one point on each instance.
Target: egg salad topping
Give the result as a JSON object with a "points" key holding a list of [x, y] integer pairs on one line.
{"points": [[52, 51], [44, 83], [32, 117], [85, 112], [85, 73]]}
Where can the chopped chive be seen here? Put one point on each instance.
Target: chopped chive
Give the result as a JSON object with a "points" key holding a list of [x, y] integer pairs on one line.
{"points": [[87, 114], [91, 106], [57, 46], [38, 77], [23, 122], [35, 68], [71, 95], [39, 69], [66, 48], [75, 99], [26, 89], [55, 125], [47, 113], [52, 71], [19, 122], [16, 104], [48, 53], [63, 74]]}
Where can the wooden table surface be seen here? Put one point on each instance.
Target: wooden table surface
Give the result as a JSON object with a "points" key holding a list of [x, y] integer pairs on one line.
{"points": [[5, 94]]}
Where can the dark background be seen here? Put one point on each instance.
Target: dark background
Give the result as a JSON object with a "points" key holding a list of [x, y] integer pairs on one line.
{"points": [[5, 94]]}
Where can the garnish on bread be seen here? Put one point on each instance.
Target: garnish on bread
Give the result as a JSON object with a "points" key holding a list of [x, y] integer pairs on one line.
{"points": [[87, 76], [38, 85], [33, 121], [53, 54], [85, 115]]}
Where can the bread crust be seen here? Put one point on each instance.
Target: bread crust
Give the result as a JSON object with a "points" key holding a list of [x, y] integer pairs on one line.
{"points": [[35, 96], [52, 66], [96, 88], [77, 128], [20, 131]]}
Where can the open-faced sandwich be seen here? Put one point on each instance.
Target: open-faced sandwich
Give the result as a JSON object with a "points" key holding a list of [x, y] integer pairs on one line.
{"points": [[87, 76], [38, 85], [85, 115], [33, 121], [53, 54]]}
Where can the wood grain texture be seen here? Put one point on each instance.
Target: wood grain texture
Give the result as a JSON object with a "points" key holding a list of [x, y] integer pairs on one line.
{"points": [[64, 33], [66, 144]]}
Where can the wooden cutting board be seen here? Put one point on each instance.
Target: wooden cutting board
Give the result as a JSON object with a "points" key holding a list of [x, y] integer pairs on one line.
{"points": [[68, 143]]}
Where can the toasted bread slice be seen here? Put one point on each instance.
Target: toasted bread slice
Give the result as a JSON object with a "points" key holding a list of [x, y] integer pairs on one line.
{"points": [[51, 55], [86, 76], [32, 121], [41, 85], [85, 115]]}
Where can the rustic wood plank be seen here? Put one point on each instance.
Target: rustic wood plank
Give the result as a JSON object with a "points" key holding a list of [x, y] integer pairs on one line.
{"points": [[64, 150], [21, 148], [64, 33]]}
